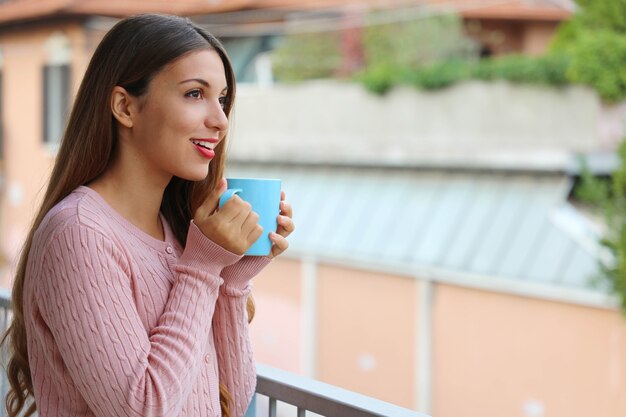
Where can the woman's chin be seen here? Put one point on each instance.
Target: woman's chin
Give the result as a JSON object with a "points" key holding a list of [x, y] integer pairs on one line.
{"points": [[195, 175]]}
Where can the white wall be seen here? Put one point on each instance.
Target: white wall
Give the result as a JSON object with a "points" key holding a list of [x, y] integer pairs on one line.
{"points": [[493, 124]]}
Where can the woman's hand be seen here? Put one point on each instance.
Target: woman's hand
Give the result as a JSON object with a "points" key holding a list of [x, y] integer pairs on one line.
{"points": [[285, 227], [235, 227]]}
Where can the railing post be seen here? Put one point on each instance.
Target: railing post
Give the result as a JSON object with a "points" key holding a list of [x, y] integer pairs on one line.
{"points": [[272, 407]]}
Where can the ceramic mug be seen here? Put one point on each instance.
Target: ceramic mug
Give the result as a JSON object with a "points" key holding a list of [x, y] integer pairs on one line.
{"points": [[264, 197]]}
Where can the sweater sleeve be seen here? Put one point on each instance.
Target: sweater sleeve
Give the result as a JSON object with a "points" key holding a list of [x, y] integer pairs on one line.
{"points": [[231, 332], [236, 366], [232, 344], [86, 300], [239, 274]]}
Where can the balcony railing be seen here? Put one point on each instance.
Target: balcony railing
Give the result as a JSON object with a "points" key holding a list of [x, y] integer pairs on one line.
{"points": [[287, 394], [5, 317], [283, 393]]}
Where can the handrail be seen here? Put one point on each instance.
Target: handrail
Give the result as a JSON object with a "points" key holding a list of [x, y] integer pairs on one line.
{"points": [[5, 317], [321, 398]]}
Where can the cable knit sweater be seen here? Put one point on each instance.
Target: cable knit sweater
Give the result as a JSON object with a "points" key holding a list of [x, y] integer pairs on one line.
{"points": [[122, 324]]}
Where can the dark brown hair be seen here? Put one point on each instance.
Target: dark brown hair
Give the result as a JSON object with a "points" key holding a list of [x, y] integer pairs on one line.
{"points": [[129, 55]]}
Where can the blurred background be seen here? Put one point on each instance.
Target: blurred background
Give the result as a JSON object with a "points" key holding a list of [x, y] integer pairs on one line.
{"points": [[456, 172]]}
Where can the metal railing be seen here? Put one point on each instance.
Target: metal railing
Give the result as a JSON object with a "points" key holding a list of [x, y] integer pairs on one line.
{"points": [[5, 319], [306, 396], [283, 392]]}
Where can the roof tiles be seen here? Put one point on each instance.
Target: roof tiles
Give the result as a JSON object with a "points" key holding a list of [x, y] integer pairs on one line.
{"points": [[23, 10]]}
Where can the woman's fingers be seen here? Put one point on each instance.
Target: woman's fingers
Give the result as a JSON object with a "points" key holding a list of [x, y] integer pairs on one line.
{"points": [[286, 209], [286, 226], [211, 202], [235, 226], [251, 227], [235, 210], [280, 244]]}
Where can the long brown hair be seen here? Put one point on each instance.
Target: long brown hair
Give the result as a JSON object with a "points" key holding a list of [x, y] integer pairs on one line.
{"points": [[129, 55]]}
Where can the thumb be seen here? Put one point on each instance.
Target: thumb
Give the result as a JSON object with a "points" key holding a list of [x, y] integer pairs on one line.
{"points": [[212, 200]]}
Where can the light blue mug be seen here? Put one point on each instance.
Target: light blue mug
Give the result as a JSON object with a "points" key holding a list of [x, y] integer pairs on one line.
{"points": [[264, 197]]}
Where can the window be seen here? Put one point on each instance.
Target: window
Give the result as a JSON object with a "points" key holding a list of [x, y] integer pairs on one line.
{"points": [[250, 59], [56, 96]]}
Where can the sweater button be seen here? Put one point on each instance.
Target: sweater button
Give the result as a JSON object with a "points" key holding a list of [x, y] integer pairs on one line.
{"points": [[207, 358], [169, 250]]}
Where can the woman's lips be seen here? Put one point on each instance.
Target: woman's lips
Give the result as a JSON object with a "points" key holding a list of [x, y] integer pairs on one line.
{"points": [[205, 152], [205, 146]]}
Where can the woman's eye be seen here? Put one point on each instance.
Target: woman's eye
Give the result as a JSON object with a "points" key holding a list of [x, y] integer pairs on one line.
{"points": [[197, 94], [223, 101]]}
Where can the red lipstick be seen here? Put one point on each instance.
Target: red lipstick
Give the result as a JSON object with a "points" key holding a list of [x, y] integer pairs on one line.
{"points": [[203, 147]]}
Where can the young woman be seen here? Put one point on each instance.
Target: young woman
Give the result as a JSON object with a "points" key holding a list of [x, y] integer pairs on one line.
{"points": [[130, 295]]}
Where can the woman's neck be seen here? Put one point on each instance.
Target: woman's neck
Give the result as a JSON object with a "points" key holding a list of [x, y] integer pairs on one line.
{"points": [[135, 195]]}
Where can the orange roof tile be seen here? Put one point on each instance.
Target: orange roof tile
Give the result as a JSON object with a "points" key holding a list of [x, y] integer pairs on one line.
{"points": [[180, 7], [23, 10], [487, 9], [512, 9]]}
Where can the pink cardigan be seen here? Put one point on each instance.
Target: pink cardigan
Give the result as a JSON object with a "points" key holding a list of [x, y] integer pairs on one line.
{"points": [[122, 324]]}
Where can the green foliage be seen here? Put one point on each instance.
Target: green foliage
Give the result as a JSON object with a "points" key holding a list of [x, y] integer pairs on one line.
{"points": [[391, 50], [609, 199], [565, 37], [442, 74], [414, 43], [305, 56], [595, 41], [598, 59], [381, 78], [602, 14], [433, 52], [547, 70]]}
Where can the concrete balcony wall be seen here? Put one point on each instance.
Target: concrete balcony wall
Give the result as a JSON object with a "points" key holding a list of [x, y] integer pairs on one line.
{"points": [[475, 123]]}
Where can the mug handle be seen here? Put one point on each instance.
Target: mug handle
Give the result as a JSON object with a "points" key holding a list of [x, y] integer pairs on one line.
{"points": [[228, 195]]}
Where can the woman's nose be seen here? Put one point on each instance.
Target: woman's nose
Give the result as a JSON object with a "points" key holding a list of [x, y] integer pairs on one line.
{"points": [[216, 118]]}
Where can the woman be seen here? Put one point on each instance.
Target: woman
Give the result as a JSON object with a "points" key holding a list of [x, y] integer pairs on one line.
{"points": [[130, 296]]}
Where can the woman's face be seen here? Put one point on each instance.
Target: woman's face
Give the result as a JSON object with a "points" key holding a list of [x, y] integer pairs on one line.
{"points": [[181, 119]]}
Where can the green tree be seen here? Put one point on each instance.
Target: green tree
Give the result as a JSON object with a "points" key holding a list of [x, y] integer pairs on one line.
{"points": [[604, 14], [595, 41], [608, 199]]}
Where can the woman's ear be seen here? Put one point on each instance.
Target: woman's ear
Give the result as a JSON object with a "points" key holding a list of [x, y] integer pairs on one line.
{"points": [[121, 103]]}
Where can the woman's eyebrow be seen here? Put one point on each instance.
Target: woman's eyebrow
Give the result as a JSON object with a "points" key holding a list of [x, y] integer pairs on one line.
{"points": [[198, 80], [201, 81]]}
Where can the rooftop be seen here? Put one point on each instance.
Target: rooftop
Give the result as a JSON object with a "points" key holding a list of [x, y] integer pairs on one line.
{"points": [[13, 11], [493, 230]]}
